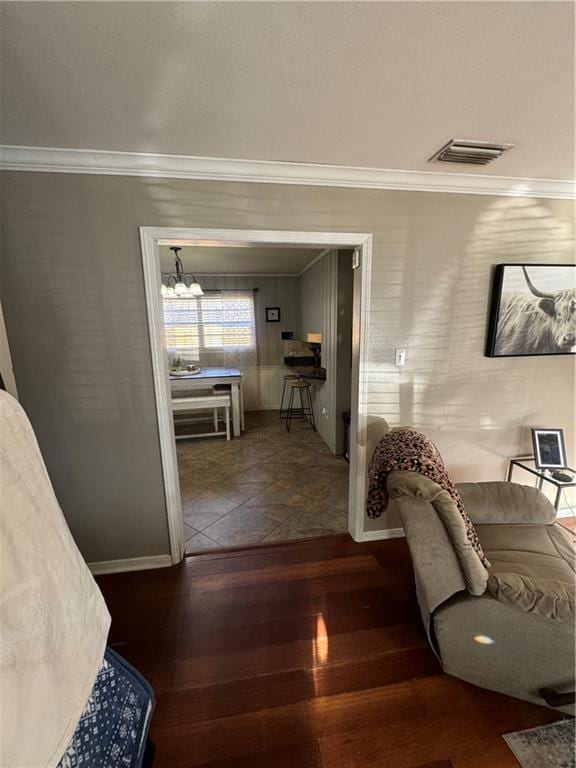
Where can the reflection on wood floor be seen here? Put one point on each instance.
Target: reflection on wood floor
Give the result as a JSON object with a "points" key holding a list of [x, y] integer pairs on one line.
{"points": [[266, 486]]}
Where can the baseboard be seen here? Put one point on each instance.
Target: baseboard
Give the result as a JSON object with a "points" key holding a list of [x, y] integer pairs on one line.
{"points": [[388, 533], [255, 408], [397, 533], [130, 564], [565, 512]]}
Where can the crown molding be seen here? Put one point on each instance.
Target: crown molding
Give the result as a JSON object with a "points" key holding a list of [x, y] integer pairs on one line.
{"points": [[112, 163]]}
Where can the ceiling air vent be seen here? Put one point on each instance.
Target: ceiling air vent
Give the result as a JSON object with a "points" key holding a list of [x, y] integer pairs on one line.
{"points": [[470, 152]]}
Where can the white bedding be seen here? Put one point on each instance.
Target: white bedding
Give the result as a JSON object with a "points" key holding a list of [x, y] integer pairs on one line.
{"points": [[53, 619]]}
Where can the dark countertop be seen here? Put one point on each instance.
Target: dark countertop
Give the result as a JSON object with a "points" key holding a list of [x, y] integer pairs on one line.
{"points": [[309, 372]]}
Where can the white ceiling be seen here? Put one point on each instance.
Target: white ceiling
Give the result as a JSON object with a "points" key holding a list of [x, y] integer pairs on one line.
{"points": [[374, 84], [239, 260]]}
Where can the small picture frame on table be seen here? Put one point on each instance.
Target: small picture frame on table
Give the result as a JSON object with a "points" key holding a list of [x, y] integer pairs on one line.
{"points": [[272, 314], [549, 449]]}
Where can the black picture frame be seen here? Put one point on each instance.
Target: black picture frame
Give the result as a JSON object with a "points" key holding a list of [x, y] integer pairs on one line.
{"points": [[272, 314], [548, 445], [500, 324]]}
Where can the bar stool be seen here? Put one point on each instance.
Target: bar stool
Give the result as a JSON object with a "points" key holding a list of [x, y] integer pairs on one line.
{"points": [[305, 410], [288, 377]]}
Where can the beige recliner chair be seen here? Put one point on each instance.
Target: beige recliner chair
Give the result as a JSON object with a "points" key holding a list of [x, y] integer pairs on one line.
{"points": [[509, 627]]}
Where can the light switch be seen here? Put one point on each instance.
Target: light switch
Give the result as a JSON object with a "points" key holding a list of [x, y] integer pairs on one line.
{"points": [[400, 358]]}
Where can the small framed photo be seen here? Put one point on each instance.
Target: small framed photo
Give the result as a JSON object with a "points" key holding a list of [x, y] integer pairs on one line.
{"points": [[549, 450], [272, 314]]}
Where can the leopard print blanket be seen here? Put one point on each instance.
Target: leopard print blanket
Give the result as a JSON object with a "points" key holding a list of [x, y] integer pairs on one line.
{"points": [[410, 450]]}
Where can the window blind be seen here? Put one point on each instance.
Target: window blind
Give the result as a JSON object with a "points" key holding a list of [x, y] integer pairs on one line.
{"points": [[219, 320]]}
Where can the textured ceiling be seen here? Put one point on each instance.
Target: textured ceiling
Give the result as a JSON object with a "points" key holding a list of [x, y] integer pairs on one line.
{"points": [[239, 261], [376, 84]]}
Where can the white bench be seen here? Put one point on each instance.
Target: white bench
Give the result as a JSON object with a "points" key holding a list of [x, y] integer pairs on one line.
{"points": [[203, 403]]}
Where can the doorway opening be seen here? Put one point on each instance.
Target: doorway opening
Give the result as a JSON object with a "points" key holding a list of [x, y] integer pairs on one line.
{"points": [[259, 378]]}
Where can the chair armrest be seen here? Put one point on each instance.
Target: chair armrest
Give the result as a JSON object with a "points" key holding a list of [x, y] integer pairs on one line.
{"points": [[411, 488], [503, 502], [438, 572]]}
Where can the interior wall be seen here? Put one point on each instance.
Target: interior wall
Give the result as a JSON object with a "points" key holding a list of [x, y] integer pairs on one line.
{"points": [[79, 339], [345, 303], [318, 295], [326, 308]]}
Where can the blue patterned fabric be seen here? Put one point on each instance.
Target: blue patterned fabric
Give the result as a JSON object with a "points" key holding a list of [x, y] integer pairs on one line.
{"points": [[113, 729]]}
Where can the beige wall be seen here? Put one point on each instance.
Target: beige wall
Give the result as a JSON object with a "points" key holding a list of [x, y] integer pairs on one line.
{"points": [[80, 350]]}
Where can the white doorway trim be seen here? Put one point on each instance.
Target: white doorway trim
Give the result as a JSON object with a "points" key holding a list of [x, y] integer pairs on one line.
{"points": [[150, 239]]}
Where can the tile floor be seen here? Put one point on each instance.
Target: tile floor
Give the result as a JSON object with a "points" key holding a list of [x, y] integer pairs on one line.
{"points": [[268, 485]]}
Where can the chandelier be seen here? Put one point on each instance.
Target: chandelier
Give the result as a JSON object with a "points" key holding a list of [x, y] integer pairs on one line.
{"points": [[181, 284]]}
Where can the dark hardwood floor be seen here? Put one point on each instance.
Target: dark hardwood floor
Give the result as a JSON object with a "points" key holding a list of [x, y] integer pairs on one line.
{"points": [[304, 655]]}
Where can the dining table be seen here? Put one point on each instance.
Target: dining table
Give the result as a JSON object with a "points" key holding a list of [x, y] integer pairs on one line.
{"points": [[206, 378]]}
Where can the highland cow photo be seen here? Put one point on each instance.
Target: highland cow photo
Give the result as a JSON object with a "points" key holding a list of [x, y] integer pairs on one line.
{"points": [[533, 310]]}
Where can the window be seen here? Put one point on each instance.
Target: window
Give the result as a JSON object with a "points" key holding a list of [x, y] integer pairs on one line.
{"points": [[216, 321]]}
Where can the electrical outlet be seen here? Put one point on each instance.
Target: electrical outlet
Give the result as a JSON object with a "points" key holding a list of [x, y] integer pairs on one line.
{"points": [[400, 358]]}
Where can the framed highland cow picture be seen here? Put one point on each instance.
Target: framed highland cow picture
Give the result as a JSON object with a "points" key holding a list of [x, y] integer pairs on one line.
{"points": [[532, 311]]}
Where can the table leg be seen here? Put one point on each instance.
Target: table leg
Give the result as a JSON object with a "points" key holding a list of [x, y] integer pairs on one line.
{"points": [[235, 392], [558, 497], [242, 427]]}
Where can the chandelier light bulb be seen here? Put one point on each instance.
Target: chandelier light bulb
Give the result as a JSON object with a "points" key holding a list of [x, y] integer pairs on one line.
{"points": [[196, 289]]}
